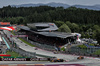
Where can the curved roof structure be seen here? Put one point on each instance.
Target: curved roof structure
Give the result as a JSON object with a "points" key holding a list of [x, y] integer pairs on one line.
{"points": [[43, 26], [47, 27]]}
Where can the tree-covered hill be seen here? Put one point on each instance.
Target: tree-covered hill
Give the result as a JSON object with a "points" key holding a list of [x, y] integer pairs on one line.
{"points": [[50, 14], [84, 21]]}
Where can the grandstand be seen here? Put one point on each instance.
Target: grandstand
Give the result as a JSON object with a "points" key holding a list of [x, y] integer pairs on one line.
{"points": [[47, 35]]}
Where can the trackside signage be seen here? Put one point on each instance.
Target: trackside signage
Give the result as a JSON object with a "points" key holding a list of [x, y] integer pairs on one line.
{"points": [[18, 35], [23, 59]]}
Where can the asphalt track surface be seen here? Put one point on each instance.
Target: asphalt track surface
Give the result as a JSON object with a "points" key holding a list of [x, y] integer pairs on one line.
{"points": [[76, 63], [71, 59]]}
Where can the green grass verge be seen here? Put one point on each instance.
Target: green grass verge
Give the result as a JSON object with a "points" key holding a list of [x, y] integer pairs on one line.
{"points": [[97, 52], [63, 49], [27, 42], [12, 32], [13, 54], [91, 44], [82, 46]]}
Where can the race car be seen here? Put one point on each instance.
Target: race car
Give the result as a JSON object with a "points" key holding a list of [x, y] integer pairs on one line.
{"points": [[80, 57], [57, 60]]}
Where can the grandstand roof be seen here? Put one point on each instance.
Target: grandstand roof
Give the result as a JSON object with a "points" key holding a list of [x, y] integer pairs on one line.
{"points": [[23, 27], [48, 26], [56, 34], [50, 34]]}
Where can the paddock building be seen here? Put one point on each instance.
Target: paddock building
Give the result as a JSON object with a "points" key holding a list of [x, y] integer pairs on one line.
{"points": [[46, 33]]}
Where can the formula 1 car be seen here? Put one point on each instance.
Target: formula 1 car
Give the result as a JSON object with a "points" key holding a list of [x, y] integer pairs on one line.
{"points": [[80, 57], [57, 60]]}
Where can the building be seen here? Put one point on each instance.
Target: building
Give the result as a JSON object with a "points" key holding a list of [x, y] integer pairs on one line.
{"points": [[46, 33]]}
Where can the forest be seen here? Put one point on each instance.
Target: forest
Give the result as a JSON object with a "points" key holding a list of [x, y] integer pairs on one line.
{"points": [[72, 19]]}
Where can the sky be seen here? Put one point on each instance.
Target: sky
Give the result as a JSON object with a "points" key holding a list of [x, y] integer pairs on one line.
{"points": [[69, 2]]}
